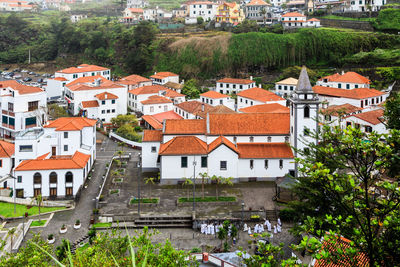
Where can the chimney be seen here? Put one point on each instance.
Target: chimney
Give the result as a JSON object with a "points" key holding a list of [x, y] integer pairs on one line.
{"points": [[251, 77], [202, 107], [342, 72], [260, 85], [155, 72], [105, 95]]}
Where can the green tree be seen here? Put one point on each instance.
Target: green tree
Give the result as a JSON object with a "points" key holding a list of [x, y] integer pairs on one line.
{"points": [[344, 188], [121, 120], [150, 181], [204, 178], [11, 233], [392, 111], [200, 20], [56, 111], [127, 131], [190, 89]]}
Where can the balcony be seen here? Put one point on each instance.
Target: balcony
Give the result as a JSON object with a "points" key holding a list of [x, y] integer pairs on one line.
{"points": [[8, 112], [12, 127], [30, 134]]}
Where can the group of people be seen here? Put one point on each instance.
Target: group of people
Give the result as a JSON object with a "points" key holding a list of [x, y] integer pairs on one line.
{"points": [[259, 228], [210, 229]]}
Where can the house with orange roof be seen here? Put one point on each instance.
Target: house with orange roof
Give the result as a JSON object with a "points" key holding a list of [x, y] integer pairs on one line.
{"points": [[155, 122], [297, 20], [345, 80], [229, 13], [260, 11], [205, 9], [163, 77], [54, 161], [258, 96], [134, 81], [156, 104], [15, 5], [111, 99], [132, 15], [189, 109], [265, 108], [23, 107], [215, 98], [234, 85], [334, 114], [7, 150], [367, 121]]}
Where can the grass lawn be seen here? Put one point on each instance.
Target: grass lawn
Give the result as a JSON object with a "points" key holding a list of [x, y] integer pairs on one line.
{"points": [[345, 18], [207, 199], [96, 225], [144, 200], [38, 223], [7, 210]]}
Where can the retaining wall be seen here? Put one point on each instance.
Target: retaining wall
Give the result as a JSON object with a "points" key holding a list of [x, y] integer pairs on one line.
{"points": [[349, 24]]}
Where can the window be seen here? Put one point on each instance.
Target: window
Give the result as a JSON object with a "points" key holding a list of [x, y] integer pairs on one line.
{"points": [[184, 162], [328, 117], [30, 121], [286, 139], [113, 111], [53, 178], [285, 88], [266, 164], [234, 86], [373, 101], [153, 149], [251, 139], [69, 177], [279, 87], [211, 102], [10, 106], [65, 147], [53, 192], [348, 124], [68, 191], [204, 162], [65, 134], [19, 179], [26, 148], [113, 101], [241, 86], [103, 102], [291, 88], [37, 178], [368, 129], [269, 139], [33, 105], [223, 165], [306, 112], [221, 102], [366, 102], [281, 163], [356, 86], [362, 103], [357, 125], [339, 85], [251, 164], [221, 85], [227, 85], [37, 191], [20, 193], [1, 163], [151, 109], [347, 86], [103, 112]]}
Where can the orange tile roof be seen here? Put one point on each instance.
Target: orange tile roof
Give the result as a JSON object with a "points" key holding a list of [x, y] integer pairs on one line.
{"points": [[266, 108], [152, 136], [348, 77], [249, 124], [156, 120], [219, 141], [149, 89], [22, 89], [373, 117], [136, 10], [172, 94], [135, 79], [87, 79], [70, 123], [265, 150], [152, 121], [6, 149], [176, 86], [85, 87], [185, 127], [220, 109], [155, 99], [59, 79], [234, 80], [231, 5], [193, 106], [358, 93], [340, 109], [163, 74], [90, 104], [293, 14], [313, 19], [258, 3], [82, 68], [213, 94], [260, 94], [76, 161], [106, 96], [184, 145]]}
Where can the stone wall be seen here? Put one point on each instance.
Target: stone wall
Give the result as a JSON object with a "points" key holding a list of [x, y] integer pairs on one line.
{"points": [[349, 24]]}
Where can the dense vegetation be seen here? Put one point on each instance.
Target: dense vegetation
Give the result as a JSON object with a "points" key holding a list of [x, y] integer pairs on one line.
{"points": [[388, 20]]}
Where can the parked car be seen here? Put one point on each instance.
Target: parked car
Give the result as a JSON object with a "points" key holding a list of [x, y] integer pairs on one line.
{"points": [[40, 80], [6, 68], [18, 76], [27, 79], [24, 71], [17, 70], [31, 73], [7, 77], [11, 74], [37, 75]]}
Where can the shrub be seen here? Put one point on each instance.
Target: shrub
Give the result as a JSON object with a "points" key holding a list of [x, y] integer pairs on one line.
{"points": [[287, 215], [50, 236]]}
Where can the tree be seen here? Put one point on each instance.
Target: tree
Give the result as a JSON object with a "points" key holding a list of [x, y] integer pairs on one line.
{"points": [[190, 89], [11, 233], [128, 131], [392, 111], [56, 111], [200, 20], [38, 200], [344, 188], [150, 181], [121, 120], [204, 177], [188, 182], [63, 249]]}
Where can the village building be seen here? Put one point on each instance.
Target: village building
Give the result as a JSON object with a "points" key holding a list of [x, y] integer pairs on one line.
{"points": [[259, 11], [297, 20], [345, 80], [132, 15], [205, 9], [155, 122], [229, 13], [233, 85], [257, 96], [15, 5], [333, 115], [220, 109], [156, 104], [134, 81], [367, 121], [162, 78], [286, 87], [189, 109], [215, 99], [7, 150], [265, 108]]}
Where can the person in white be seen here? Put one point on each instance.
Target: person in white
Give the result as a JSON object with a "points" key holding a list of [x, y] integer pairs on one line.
{"points": [[279, 222], [275, 229], [249, 231], [212, 229], [261, 228], [256, 229], [278, 227], [245, 227]]}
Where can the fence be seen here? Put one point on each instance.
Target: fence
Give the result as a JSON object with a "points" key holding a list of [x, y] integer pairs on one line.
{"points": [[126, 141], [27, 201]]}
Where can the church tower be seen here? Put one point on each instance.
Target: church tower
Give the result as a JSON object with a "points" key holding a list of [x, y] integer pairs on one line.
{"points": [[304, 109]]}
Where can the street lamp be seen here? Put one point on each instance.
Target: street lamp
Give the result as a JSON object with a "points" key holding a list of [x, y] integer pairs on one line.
{"points": [[138, 181], [194, 183], [242, 211]]}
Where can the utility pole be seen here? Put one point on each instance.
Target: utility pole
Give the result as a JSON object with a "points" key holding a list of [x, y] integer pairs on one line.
{"points": [[29, 59], [138, 181], [194, 182]]}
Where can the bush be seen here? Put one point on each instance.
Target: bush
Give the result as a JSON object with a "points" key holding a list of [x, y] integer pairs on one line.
{"points": [[287, 215], [195, 250], [207, 199]]}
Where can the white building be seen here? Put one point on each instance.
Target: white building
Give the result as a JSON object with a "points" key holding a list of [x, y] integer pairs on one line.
{"points": [[189, 109], [257, 96], [205, 9], [111, 100], [297, 20], [164, 77], [233, 85], [22, 107], [348, 80], [15, 5], [132, 15], [83, 70], [286, 87], [215, 99], [54, 161], [134, 81], [334, 114], [259, 10], [363, 5], [55, 87], [156, 104], [6, 162], [367, 121], [76, 18]]}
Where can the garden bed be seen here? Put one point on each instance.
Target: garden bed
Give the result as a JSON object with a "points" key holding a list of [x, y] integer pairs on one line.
{"points": [[101, 225], [206, 201], [145, 201], [114, 192], [38, 223]]}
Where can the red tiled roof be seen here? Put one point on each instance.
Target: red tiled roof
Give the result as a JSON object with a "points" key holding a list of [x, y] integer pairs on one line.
{"points": [[136, 10], [234, 80], [155, 99], [76, 161], [219, 141], [60, 79], [6, 149], [213, 94], [358, 93], [82, 68], [260, 94], [149, 89], [134, 79], [176, 86], [172, 94], [265, 150], [348, 77], [152, 136], [22, 89], [249, 124], [87, 79], [220, 109], [266, 108], [258, 3], [184, 145], [193, 106], [156, 120], [84, 87], [313, 19], [163, 74], [70, 123], [106, 96], [90, 104], [342, 109], [157, 125], [185, 127], [372, 117], [293, 14]]}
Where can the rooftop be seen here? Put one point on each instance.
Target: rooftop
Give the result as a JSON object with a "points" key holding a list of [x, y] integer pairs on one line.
{"points": [[374, 117], [82, 68], [155, 99], [266, 108], [348, 77], [193, 106], [152, 136], [20, 88], [235, 80], [260, 94], [70, 123], [87, 79], [288, 81], [163, 74], [358, 93], [213, 94]]}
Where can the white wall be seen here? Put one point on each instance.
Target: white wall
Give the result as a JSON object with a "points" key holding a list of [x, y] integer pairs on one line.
{"points": [[284, 89], [226, 101], [184, 113], [228, 88], [272, 172], [342, 85], [152, 109], [207, 12], [54, 88], [149, 158], [171, 167], [355, 102], [134, 101]]}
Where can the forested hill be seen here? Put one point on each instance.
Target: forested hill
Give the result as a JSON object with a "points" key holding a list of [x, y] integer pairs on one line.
{"points": [[139, 50]]}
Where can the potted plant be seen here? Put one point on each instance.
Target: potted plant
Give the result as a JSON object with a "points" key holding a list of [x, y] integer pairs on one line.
{"points": [[50, 239], [77, 224], [63, 229]]}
